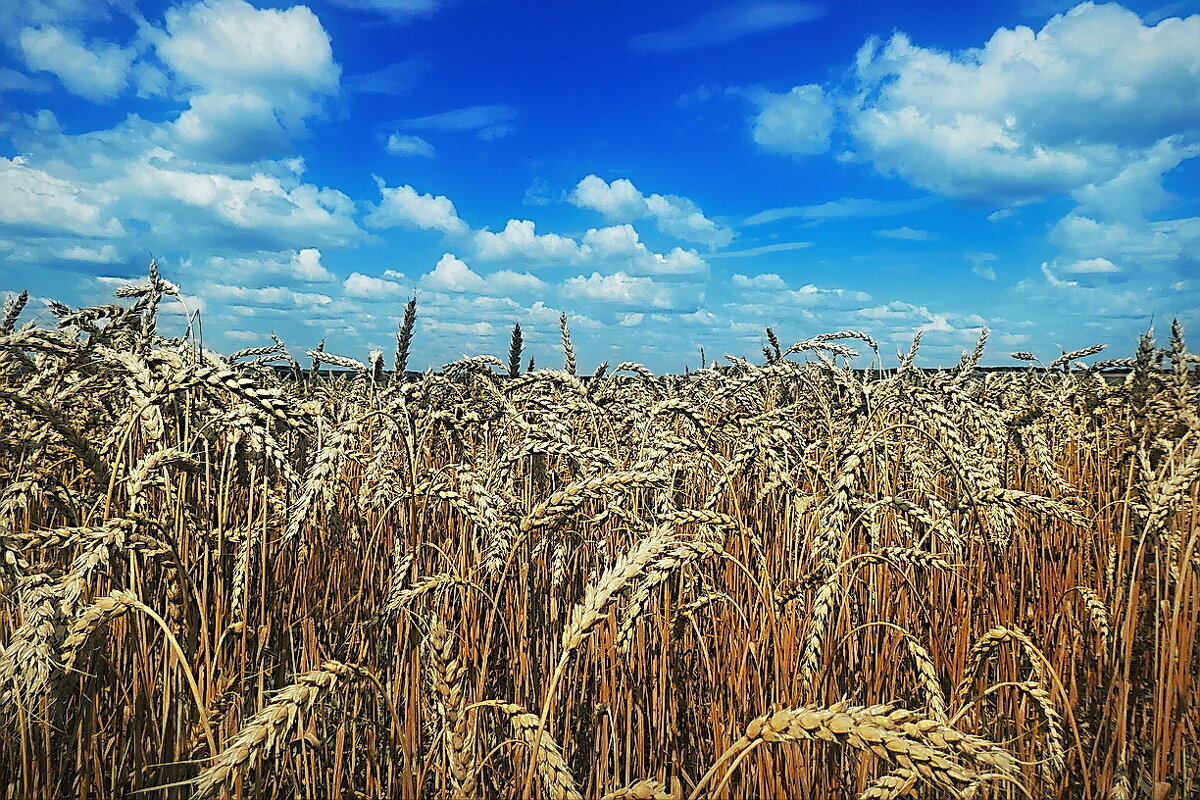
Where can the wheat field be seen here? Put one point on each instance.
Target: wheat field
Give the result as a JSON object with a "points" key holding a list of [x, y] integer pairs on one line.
{"points": [[246, 577]]}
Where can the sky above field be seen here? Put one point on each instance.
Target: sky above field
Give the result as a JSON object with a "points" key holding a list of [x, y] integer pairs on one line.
{"points": [[672, 175]]}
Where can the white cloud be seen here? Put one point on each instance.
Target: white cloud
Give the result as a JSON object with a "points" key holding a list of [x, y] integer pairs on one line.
{"points": [[396, 78], [51, 12], [228, 46], [124, 182], [981, 265], [1136, 190], [1054, 280], [797, 122], [402, 205], [768, 297], [905, 232], [105, 254], [399, 144], [306, 266], [262, 204], [811, 294], [621, 201], [472, 331], [299, 265], [845, 208], [489, 122], [617, 200], [727, 23], [453, 275], [618, 288], [1173, 243], [538, 193], [230, 127], [266, 296], [1029, 114], [907, 317], [766, 282], [1090, 266], [254, 75], [149, 80], [520, 240], [96, 70], [35, 200], [620, 247], [397, 10], [12, 80], [507, 281], [680, 217], [766, 249], [366, 286], [612, 248]]}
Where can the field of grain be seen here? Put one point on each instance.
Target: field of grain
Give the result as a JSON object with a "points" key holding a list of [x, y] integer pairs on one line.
{"points": [[773, 579]]}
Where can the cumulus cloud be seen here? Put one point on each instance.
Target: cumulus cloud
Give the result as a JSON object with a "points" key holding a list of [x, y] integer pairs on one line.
{"points": [[306, 266], [369, 287], [403, 205], [508, 281], [618, 288], [399, 144], [254, 76], [621, 201], [97, 71], [617, 200], [612, 248], [520, 240], [1029, 114], [797, 122], [452, 274], [1097, 105], [619, 247], [230, 46], [124, 184]]}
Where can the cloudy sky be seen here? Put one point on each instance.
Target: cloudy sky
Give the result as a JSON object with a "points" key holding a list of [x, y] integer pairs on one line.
{"points": [[669, 174]]}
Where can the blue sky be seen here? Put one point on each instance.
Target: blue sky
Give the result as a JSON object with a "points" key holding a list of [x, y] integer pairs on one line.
{"points": [[669, 174]]}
